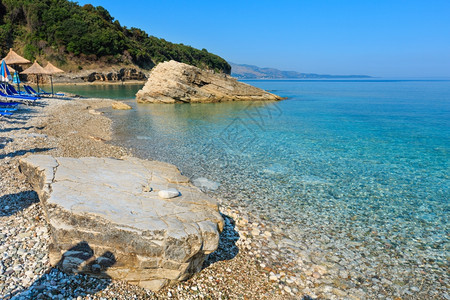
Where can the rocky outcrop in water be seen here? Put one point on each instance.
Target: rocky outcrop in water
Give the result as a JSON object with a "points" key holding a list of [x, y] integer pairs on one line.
{"points": [[120, 106], [107, 219], [172, 82]]}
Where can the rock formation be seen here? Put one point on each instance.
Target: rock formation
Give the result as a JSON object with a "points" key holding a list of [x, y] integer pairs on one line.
{"points": [[107, 220], [120, 105], [121, 75], [172, 82]]}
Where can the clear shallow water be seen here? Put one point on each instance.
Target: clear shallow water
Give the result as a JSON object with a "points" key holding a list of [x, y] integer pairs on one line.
{"points": [[112, 91], [357, 172]]}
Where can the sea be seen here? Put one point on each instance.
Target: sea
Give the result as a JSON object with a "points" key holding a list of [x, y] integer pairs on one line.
{"points": [[353, 171]]}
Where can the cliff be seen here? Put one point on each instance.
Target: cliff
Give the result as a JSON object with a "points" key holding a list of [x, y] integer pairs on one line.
{"points": [[172, 82]]}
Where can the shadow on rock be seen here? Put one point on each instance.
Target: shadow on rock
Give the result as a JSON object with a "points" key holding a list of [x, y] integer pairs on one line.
{"points": [[23, 152], [227, 248], [12, 203], [72, 281]]}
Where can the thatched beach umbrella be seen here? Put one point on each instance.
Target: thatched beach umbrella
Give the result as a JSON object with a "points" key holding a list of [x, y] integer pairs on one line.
{"points": [[15, 59], [51, 69], [37, 70]]}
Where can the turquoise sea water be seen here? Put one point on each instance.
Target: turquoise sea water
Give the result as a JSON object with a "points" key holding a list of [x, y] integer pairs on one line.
{"points": [[357, 170], [125, 91]]}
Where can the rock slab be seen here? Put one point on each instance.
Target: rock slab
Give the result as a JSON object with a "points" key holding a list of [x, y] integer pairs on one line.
{"points": [[120, 105], [107, 219], [174, 82]]}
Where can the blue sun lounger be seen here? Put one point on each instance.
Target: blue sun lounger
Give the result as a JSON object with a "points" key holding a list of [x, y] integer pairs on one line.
{"points": [[8, 104], [12, 108], [12, 90], [20, 97], [47, 93], [7, 111], [32, 91]]}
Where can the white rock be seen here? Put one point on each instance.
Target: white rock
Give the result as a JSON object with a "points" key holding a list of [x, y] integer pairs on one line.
{"points": [[149, 241], [169, 193], [172, 82], [255, 232]]}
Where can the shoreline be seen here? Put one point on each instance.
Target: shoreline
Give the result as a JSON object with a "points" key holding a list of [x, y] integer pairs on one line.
{"points": [[126, 82], [77, 128], [268, 265]]}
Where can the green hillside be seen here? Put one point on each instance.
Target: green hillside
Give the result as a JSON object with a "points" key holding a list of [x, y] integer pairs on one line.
{"points": [[71, 35]]}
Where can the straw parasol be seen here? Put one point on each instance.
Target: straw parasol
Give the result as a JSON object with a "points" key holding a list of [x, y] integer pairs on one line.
{"points": [[51, 69], [15, 59], [37, 70]]}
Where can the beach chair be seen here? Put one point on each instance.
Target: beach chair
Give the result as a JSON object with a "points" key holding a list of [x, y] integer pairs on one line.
{"points": [[30, 90], [8, 104], [29, 99], [11, 90], [8, 109], [47, 93], [15, 92], [41, 91]]}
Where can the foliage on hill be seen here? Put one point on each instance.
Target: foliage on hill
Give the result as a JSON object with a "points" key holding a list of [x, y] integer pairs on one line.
{"points": [[60, 30]]}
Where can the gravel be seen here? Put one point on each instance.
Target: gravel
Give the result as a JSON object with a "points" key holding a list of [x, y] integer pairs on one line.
{"points": [[255, 258], [75, 128]]}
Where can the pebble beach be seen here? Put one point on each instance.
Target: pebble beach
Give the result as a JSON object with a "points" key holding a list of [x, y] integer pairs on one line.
{"points": [[255, 258], [241, 268]]}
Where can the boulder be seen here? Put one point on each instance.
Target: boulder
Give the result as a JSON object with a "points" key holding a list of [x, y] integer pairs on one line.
{"points": [[172, 82], [120, 105], [107, 219]]}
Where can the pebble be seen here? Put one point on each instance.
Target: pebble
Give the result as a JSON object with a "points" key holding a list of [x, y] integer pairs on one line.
{"points": [[169, 193]]}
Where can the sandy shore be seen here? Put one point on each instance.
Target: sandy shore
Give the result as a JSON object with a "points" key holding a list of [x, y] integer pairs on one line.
{"points": [[249, 264]]}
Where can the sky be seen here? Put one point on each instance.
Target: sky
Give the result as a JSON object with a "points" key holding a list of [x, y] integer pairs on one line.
{"points": [[385, 38]]}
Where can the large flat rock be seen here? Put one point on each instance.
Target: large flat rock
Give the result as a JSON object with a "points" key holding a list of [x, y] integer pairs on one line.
{"points": [[174, 82], [107, 219]]}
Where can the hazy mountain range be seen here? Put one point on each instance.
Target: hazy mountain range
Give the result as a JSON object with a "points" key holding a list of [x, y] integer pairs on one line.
{"points": [[254, 72]]}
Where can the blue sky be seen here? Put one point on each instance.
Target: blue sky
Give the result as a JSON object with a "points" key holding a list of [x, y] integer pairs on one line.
{"points": [[389, 38]]}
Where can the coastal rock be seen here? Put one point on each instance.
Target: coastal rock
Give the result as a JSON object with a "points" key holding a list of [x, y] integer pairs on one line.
{"points": [[120, 105], [107, 220], [120, 75], [171, 82]]}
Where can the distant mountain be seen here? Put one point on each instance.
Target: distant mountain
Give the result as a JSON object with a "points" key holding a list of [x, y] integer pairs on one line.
{"points": [[254, 72]]}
